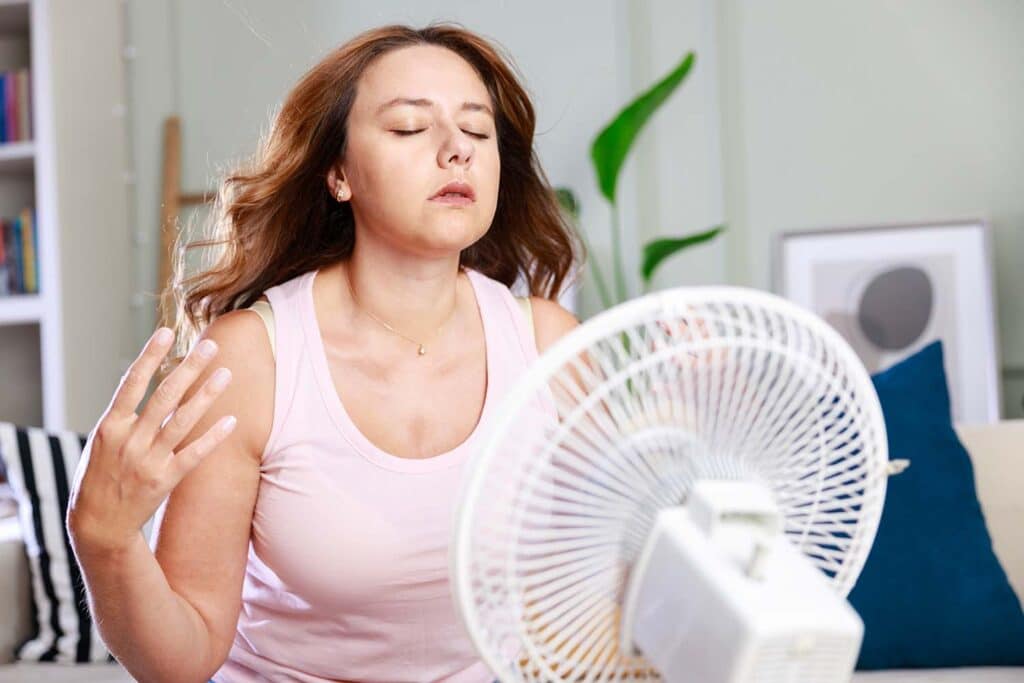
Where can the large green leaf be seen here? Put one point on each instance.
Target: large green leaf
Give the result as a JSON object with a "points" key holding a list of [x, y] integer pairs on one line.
{"points": [[570, 205], [612, 144], [658, 250]]}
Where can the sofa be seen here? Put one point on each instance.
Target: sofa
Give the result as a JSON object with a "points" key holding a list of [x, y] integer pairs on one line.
{"points": [[997, 454]]}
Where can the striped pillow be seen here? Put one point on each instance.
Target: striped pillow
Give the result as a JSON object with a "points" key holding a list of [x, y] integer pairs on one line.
{"points": [[40, 466]]}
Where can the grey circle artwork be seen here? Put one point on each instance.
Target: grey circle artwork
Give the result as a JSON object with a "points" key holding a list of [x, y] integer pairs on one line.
{"points": [[895, 307]]}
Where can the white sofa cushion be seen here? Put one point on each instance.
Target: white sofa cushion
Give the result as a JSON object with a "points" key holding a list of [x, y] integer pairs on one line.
{"points": [[25, 672], [997, 453], [984, 674], [15, 589]]}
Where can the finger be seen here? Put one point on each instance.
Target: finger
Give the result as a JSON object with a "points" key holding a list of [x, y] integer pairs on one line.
{"points": [[189, 458], [165, 397], [135, 381], [185, 418]]}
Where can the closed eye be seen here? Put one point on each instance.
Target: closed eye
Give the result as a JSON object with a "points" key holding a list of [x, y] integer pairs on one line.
{"points": [[406, 133]]}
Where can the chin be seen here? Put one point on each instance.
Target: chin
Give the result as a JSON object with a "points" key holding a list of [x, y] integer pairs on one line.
{"points": [[455, 225], [451, 243]]}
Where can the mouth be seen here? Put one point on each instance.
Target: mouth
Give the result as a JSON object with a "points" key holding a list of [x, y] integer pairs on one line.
{"points": [[455, 194]]}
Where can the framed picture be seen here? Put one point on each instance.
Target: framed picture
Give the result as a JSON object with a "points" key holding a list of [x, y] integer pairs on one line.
{"points": [[891, 290]]}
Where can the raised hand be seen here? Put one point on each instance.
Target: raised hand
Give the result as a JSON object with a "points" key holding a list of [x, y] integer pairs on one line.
{"points": [[131, 462]]}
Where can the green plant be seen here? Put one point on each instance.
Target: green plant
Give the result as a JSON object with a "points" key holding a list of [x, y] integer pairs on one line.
{"points": [[608, 153]]}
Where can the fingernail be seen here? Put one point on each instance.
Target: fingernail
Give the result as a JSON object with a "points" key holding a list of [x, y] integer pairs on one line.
{"points": [[220, 378], [163, 336], [207, 348], [229, 424]]}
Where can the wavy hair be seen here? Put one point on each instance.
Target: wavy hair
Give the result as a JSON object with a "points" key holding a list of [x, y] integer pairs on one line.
{"points": [[273, 217]]}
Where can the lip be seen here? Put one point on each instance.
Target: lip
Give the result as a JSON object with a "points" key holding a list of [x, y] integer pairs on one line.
{"points": [[468, 196]]}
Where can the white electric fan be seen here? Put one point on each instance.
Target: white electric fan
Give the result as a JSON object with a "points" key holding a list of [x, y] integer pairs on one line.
{"points": [[684, 488]]}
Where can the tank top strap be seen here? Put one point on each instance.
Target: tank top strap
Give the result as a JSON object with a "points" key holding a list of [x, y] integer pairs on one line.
{"points": [[527, 306], [512, 314], [284, 329], [263, 309]]}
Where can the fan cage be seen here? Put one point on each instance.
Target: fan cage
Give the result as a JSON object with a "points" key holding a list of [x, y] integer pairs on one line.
{"points": [[615, 422]]}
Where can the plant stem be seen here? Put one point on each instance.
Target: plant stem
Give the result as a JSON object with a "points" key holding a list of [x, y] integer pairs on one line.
{"points": [[602, 288], [620, 280]]}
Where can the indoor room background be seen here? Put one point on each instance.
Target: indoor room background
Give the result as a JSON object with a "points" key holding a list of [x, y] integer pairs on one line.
{"points": [[796, 116]]}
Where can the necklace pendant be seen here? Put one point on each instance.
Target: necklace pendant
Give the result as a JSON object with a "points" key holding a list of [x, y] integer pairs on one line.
{"points": [[422, 350]]}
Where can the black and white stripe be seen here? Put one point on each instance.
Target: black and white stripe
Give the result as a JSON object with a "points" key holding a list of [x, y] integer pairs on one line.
{"points": [[39, 467]]}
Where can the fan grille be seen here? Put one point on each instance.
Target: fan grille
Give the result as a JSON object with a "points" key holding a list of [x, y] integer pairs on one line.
{"points": [[618, 421]]}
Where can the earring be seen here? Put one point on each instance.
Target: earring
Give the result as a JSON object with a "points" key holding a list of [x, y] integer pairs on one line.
{"points": [[342, 195]]}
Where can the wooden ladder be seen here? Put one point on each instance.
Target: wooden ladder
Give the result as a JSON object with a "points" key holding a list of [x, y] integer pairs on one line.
{"points": [[172, 199]]}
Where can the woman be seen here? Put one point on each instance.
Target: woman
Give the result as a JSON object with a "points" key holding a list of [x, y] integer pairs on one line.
{"points": [[310, 485]]}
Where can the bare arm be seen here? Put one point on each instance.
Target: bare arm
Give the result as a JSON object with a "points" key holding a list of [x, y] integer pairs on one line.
{"points": [[170, 615]]}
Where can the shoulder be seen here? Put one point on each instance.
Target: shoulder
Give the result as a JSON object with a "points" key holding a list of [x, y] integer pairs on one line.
{"points": [[236, 332], [243, 343], [244, 348], [550, 322]]}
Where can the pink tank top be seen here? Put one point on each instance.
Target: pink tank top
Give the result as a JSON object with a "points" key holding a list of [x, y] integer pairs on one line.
{"points": [[347, 575]]}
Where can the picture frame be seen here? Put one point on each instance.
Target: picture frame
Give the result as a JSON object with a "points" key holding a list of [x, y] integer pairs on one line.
{"points": [[890, 290]]}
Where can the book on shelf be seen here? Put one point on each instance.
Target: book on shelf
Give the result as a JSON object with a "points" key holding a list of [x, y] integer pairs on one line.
{"points": [[15, 106], [19, 254]]}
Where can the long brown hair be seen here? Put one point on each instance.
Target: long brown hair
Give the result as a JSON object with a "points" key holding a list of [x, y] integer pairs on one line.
{"points": [[274, 218]]}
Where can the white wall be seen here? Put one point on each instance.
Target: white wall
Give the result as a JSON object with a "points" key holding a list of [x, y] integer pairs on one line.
{"points": [[678, 157], [87, 87], [799, 114], [224, 68], [858, 113]]}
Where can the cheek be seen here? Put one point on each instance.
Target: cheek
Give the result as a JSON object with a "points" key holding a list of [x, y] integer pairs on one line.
{"points": [[490, 167], [388, 187], [378, 168]]}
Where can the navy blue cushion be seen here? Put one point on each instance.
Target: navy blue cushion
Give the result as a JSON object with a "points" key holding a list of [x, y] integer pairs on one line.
{"points": [[932, 593]]}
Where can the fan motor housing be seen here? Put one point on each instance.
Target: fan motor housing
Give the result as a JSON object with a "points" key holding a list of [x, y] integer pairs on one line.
{"points": [[696, 611]]}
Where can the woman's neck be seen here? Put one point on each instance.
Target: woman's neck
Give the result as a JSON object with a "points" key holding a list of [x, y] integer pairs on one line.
{"points": [[417, 301]]}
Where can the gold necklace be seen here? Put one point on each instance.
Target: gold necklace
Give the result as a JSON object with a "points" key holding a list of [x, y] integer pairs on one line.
{"points": [[421, 347]]}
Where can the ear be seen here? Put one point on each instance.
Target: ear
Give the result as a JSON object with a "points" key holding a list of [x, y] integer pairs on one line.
{"points": [[337, 186]]}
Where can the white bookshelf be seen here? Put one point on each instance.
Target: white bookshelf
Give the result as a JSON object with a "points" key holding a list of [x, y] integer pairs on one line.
{"points": [[17, 157], [61, 349], [19, 309], [31, 350]]}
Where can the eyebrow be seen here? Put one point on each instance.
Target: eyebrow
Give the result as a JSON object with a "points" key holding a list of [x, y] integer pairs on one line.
{"points": [[422, 102]]}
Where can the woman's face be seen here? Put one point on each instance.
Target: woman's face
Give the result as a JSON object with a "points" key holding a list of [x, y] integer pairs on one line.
{"points": [[422, 118]]}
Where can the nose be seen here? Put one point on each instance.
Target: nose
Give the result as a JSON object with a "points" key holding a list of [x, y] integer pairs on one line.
{"points": [[457, 148]]}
